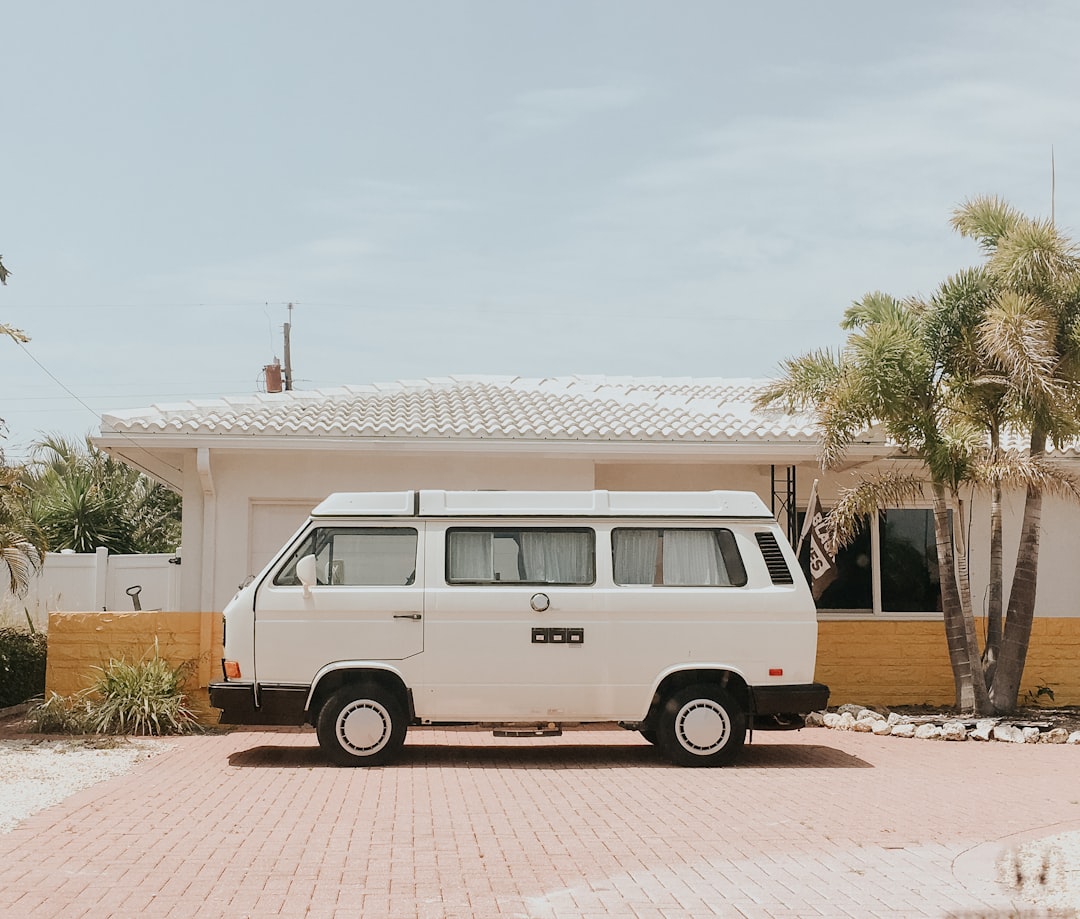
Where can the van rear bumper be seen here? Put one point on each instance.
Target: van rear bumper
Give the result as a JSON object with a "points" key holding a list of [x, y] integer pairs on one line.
{"points": [[790, 700], [278, 705]]}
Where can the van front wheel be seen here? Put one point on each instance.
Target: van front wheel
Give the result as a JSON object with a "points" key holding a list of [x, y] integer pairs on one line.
{"points": [[701, 725], [361, 726]]}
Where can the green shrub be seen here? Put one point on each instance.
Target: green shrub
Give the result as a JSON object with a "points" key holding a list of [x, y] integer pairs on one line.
{"points": [[60, 715], [22, 665], [145, 697]]}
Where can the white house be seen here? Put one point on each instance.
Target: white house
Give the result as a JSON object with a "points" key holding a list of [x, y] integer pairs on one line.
{"points": [[250, 469]]}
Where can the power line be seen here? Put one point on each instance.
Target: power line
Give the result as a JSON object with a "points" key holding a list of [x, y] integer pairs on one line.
{"points": [[96, 415]]}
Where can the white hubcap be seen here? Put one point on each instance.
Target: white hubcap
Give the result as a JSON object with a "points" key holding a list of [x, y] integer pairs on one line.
{"points": [[363, 727], [702, 726]]}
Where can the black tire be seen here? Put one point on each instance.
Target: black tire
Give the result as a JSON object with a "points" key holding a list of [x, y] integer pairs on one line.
{"points": [[701, 725], [361, 725], [649, 735]]}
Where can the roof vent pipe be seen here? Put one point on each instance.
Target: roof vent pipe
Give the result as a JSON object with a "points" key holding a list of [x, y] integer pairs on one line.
{"points": [[272, 373]]}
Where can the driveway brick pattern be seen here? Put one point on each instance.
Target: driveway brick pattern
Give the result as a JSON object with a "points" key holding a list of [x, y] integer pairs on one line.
{"points": [[590, 824]]}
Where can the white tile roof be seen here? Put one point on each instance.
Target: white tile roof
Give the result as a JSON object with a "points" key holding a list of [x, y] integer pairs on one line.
{"points": [[573, 408]]}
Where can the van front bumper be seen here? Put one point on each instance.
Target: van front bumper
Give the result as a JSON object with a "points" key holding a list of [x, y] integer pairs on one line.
{"points": [[790, 700], [278, 705]]}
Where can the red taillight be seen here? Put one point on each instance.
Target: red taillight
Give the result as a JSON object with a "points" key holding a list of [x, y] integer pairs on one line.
{"points": [[773, 671], [232, 670]]}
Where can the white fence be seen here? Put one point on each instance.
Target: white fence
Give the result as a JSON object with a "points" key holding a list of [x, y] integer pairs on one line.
{"points": [[84, 582]]}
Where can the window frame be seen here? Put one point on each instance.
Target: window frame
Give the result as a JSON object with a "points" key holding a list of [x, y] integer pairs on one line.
{"points": [[877, 610], [734, 543], [329, 532], [474, 582]]}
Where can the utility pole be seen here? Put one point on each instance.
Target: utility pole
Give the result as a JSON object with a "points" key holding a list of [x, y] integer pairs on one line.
{"points": [[288, 352]]}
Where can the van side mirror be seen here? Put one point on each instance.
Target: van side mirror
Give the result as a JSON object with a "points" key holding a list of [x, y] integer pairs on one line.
{"points": [[305, 570]]}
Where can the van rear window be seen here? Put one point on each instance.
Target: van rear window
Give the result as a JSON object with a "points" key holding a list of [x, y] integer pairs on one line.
{"points": [[520, 555], [672, 557]]}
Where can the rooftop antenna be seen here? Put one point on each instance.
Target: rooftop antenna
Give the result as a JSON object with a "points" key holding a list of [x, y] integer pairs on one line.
{"points": [[288, 378]]}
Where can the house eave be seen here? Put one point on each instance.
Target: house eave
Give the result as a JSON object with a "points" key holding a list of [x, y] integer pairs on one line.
{"points": [[756, 450]]}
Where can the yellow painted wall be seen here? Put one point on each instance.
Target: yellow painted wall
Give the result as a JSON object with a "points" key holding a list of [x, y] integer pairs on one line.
{"points": [[890, 662], [79, 642], [871, 662]]}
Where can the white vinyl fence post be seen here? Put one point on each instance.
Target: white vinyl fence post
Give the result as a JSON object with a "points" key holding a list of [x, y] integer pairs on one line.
{"points": [[101, 576]]}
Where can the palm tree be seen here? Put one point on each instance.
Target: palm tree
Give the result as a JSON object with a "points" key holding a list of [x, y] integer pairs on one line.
{"points": [[887, 375], [81, 498], [22, 545], [995, 350], [1032, 336]]}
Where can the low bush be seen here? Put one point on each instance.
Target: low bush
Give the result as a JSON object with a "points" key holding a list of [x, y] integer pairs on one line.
{"points": [[22, 665], [145, 697]]}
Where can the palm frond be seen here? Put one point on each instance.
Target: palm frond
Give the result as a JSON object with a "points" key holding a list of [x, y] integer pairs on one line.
{"points": [[875, 307], [1018, 335], [986, 219], [21, 558], [802, 383], [1034, 258], [855, 505], [1014, 469]]}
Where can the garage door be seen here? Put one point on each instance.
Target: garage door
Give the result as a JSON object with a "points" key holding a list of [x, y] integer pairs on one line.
{"points": [[270, 524]]}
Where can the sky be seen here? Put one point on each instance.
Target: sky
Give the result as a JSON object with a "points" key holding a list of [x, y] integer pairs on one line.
{"points": [[480, 187]]}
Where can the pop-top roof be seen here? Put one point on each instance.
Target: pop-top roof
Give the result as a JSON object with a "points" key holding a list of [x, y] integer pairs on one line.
{"points": [[435, 503]]}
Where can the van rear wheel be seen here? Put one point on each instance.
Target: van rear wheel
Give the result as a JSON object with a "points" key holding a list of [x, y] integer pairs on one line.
{"points": [[361, 725], [701, 725]]}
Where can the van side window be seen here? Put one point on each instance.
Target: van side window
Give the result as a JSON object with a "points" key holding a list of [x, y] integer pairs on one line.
{"points": [[356, 557], [676, 557], [520, 555]]}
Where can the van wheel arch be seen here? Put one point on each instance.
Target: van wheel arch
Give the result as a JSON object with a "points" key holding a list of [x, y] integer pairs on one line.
{"points": [[338, 679], [727, 680]]}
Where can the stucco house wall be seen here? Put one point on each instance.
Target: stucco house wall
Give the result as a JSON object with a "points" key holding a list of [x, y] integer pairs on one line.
{"points": [[250, 470]]}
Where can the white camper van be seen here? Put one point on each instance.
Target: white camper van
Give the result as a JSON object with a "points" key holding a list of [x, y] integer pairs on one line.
{"points": [[681, 615]]}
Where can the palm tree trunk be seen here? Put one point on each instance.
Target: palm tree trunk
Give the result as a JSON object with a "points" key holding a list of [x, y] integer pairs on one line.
{"points": [[960, 634], [994, 603], [1017, 634]]}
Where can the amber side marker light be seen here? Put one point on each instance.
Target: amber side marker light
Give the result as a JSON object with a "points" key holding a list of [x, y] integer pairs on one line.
{"points": [[773, 671], [232, 670]]}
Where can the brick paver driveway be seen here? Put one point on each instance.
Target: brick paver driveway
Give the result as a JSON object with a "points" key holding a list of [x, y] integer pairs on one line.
{"points": [[592, 824]]}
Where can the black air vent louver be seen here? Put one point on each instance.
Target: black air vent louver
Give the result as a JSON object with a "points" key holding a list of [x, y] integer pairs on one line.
{"points": [[774, 559]]}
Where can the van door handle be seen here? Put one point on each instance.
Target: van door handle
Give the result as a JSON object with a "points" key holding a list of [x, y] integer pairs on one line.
{"points": [[407, 616]]}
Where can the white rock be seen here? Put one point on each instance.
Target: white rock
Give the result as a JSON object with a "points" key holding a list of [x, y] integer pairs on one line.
{"points": [[815, 720], [881, 727], [1031, 735], [1009, 733], [868, 714], [894, 718], [928, 732], [1074, 738], [831, 719], [982, 730], [863, 725], [1054, 735], [903, 730], [847, 722], [953, 730]]}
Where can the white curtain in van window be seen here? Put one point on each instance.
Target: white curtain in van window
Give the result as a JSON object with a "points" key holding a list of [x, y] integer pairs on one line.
{"points": [[635, 555], [692, 558], [471, 557], [557, 558]]}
